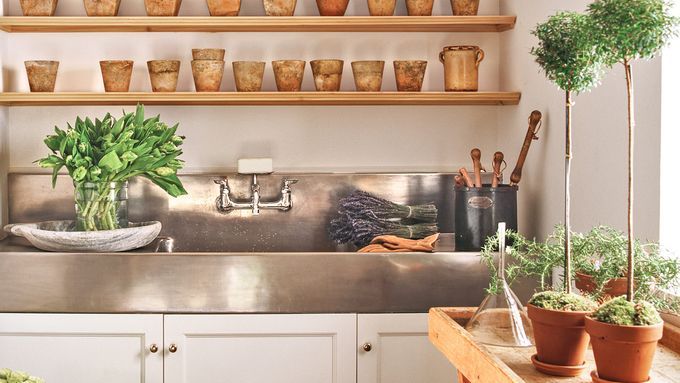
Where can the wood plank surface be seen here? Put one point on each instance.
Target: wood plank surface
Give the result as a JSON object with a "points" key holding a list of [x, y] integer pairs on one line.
{"points": [[261, 98], [484, 364], [258, 24]]}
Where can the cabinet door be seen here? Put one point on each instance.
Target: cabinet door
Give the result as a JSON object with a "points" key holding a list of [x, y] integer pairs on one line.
{"points": [[282, 348], [399, 351], [67, 348]]}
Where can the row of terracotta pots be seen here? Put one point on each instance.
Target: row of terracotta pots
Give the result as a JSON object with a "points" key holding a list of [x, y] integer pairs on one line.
{"points": [[271, 7]]}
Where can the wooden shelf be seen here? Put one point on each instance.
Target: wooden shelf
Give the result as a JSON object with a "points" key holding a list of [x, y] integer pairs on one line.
{"points": [[262, 98], [259, 24]]}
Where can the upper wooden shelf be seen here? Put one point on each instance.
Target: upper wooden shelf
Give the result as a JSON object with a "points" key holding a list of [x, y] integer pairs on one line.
{"points": [[259, 24], [261, 98]]}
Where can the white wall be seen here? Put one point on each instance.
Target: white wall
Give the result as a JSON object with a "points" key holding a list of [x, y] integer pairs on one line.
{"points": [[600, 136]]}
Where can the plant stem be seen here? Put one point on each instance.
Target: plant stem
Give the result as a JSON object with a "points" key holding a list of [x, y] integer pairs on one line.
{"points": [[631, 152], [567, 195]]}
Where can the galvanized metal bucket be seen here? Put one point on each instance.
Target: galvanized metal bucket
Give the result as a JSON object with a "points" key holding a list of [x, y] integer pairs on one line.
{"points": [[478, 212]]}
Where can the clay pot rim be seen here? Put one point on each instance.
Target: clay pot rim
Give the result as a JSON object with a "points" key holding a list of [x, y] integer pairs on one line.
{"points": [[288, 61], [41, 62], [461, 48], [219, 52], [619, 333], [248, 62], [558, 318], [327, 60], [107, 62], [556, 369], [596, 378]]}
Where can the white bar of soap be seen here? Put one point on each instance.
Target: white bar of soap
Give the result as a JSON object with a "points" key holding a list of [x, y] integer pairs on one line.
{"points": [[255, 166]]}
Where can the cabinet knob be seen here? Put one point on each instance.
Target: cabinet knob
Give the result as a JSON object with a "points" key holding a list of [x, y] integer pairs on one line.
{"points": [[172, 348], [367, 347], [153, 348]]}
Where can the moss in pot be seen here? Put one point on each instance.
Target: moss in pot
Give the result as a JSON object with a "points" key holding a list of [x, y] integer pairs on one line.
{"points": [[624, 336]]}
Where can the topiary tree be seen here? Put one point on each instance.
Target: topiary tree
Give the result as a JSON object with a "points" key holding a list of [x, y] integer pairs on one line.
{"points": [[567, 53], [627, 30]]}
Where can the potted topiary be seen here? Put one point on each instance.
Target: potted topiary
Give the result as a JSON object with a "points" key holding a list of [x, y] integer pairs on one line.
{"points": [[628, 30], [567, 54]]}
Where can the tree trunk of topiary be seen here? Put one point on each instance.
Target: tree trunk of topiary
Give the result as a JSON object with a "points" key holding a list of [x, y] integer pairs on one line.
{"points": [[567, 196], [631, 153]]}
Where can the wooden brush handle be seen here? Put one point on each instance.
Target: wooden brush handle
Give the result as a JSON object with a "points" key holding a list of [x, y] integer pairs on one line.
{"points": [[476, 155], [534, 120], [466, 177], [458, 181], [497, 162]]}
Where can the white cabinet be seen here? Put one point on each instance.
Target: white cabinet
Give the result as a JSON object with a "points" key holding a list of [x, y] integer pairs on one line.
{"points": [[394, 348], [304, 348], [67, 348]]}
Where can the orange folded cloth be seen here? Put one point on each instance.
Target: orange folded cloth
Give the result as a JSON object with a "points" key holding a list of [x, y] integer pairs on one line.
{"points": [[392, 243]]}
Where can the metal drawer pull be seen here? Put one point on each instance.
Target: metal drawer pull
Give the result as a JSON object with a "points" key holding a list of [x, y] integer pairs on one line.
{"points": [[367, 347], [172, 348], [153, 348]]}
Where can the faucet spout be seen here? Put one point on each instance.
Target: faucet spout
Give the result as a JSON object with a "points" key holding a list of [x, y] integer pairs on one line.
{"points": [[225, 204]]}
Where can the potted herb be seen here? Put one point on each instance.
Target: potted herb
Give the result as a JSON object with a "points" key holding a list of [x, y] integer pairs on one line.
{"points": [[628, 30], [101, 157], [566, 53]]}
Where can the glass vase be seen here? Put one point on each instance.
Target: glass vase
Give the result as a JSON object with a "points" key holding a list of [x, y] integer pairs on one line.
{"points": [[101, 206]]}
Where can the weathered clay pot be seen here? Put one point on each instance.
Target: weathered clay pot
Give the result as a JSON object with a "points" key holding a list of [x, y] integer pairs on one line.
{"points": [[332, 7], [613, 288], [368, 75], [116, 75], [623, 353], [208, 54], [288, 75], [224, 7], [327, 74], [409, 75], [248, 75], [279, 7], [419, 7], [381, 7], [38, 7], [42, 75], [162, 7], [207, 74], [561, 340], [101, 7], [465, 7], [461, 67], [163, 75]]}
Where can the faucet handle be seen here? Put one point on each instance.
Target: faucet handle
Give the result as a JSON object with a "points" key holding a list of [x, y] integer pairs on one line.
{"points": [[289, 181], [223, 182]]}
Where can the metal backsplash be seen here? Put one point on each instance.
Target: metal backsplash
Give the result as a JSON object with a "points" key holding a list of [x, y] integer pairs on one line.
{"points": [[197, 226]]}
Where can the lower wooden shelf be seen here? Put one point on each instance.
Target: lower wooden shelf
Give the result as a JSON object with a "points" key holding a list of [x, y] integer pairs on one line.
{"points": [[478, 363], [261, 98]]}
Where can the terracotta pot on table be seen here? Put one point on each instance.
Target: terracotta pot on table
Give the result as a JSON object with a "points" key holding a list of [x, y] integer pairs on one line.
{"points": [[368, 75], [38, 7], [101, 7], [327, 74], [409, 74], [613, 288], [248, 75], [42, 75], [288, 75], [116, 74], [163, 75]]}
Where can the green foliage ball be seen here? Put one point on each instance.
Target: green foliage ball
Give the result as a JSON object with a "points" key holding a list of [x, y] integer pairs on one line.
{"points": [[620, 312], [561, 301]]}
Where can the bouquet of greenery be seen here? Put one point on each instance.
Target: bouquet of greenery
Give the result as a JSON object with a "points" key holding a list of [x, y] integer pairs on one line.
{"points": [[9, 376], [101, 156]]}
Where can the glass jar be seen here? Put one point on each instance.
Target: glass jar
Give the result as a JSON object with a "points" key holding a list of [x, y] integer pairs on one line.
{"points": [[101, 206]]}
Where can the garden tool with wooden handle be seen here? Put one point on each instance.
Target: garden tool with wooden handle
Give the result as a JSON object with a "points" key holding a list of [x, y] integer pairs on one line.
{"points": [[498, 161], [476, 155], [466, 177], [532, 131]]}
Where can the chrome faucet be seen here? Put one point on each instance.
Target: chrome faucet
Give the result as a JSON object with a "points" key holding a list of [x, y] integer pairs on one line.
{"points": [[225, 204]]}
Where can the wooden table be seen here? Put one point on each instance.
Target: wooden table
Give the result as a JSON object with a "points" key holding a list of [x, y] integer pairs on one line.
{"points": [[477, 363]]}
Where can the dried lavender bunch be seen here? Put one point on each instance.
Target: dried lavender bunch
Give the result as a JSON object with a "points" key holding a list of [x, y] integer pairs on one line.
{"points": [[362, 204], [361, 230]]}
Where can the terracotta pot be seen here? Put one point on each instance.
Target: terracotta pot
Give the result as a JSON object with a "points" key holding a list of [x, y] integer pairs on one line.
{"points": [[419, 7], [381, 7], [248, 75], [368, 75], [42, 75], [116, 75], [409, 75], [623, 353], [332, 7], [101, 7], [162, 7], [224, 7], [461, 67], [327, 74], [207, 74], [613, 288], [38, 7], [208, 54], [560, 337], [163, 75], [288, 75], [279, 7], [465, 7]]}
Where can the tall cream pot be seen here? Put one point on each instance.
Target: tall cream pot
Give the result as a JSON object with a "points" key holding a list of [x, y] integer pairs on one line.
{"points": [[461, 67]]}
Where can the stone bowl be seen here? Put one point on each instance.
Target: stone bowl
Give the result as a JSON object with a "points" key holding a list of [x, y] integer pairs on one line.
{"points": [[60, 236]]}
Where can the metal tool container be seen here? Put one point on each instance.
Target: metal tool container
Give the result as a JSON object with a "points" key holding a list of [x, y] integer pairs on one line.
{"points": [[478, 212]]}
